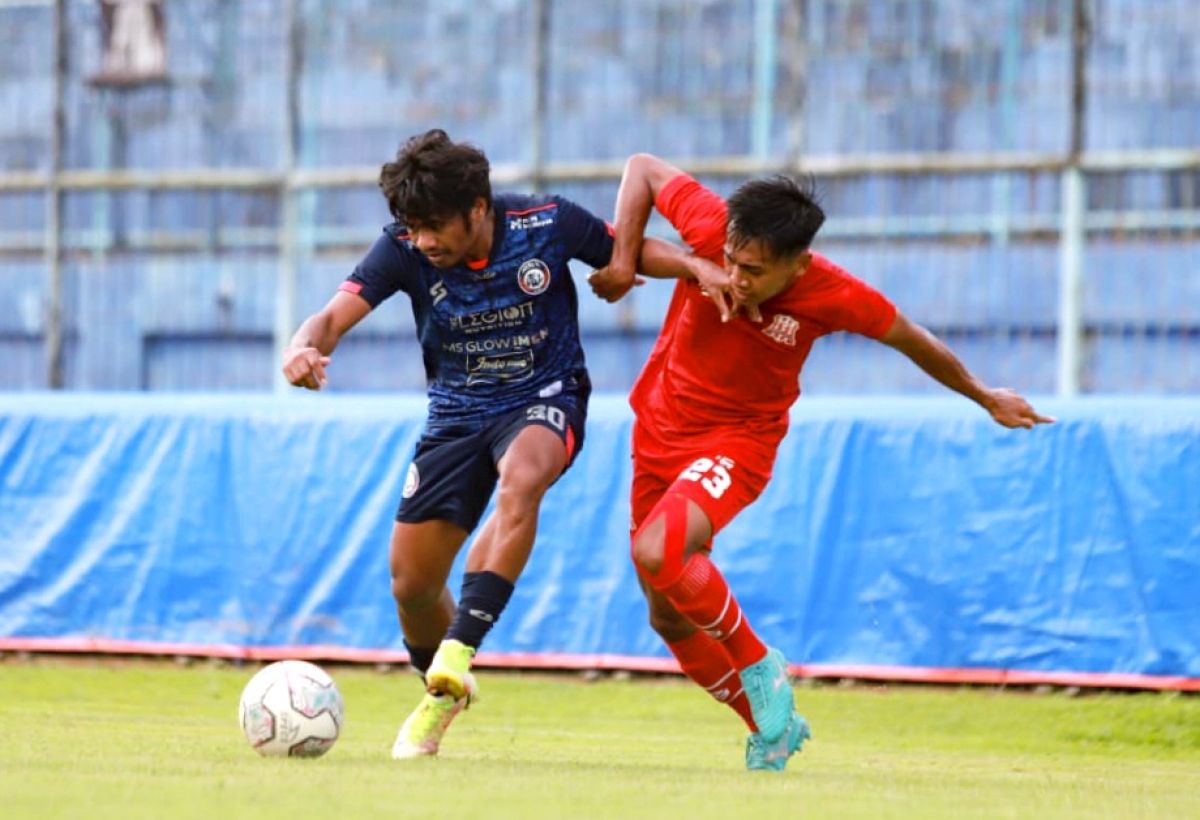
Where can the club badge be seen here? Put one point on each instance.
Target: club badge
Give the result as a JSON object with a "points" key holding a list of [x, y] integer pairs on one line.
{"points": [[533, 276], [412, 481]]}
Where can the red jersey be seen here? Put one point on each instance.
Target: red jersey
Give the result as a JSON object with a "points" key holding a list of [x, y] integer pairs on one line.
{"points": [[704, 373]]}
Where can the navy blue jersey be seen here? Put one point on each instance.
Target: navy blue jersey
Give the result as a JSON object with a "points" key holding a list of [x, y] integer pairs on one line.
{"points": [[495, 337]]}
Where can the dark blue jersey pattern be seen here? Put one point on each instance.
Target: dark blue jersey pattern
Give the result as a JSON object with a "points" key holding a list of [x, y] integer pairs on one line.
{"points": [[496, 337]]}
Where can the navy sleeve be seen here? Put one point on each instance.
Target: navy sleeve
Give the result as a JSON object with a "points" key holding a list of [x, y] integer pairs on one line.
{"points": [[587, 237], [385, 269]]}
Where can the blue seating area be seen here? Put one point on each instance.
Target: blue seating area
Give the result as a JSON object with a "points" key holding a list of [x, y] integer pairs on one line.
{"points": [[176, 289], [669, 75]]}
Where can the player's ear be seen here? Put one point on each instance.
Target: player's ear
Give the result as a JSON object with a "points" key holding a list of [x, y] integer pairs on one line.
{"points": [[802, 262], [479, 210]]}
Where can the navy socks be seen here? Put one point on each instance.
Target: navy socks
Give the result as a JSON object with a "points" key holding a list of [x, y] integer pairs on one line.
{"points": [[484, 596]]}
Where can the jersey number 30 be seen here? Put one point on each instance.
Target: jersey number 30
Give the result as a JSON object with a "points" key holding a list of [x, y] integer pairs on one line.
{"points": [[713, 474]]}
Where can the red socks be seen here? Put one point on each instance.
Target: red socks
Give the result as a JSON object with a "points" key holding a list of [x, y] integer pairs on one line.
{"points": [[702, 595], [723, 643], [704, 661]]}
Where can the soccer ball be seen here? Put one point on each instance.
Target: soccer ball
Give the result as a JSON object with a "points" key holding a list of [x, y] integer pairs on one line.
{"points": [[291, 709]]}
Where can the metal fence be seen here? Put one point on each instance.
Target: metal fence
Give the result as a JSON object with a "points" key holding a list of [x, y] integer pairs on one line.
{"points": [[1023, 176]]}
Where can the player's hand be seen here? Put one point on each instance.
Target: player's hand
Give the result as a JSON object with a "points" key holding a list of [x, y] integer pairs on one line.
{"points": [[749, 308], [612, 282], [1010, 409], [714, 283], [305, 367]]}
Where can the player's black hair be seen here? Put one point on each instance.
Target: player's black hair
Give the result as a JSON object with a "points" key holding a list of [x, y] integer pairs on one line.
{"points": [[781, 212], [434, 177]]}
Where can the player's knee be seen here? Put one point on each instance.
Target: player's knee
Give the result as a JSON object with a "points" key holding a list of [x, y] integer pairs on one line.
{"points": [[522, 485], [660, 544], [414, 594], [521, 492], [647, 550]]}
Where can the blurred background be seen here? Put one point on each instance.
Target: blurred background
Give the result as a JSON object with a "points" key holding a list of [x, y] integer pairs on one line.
{"points": [[181, 182]]}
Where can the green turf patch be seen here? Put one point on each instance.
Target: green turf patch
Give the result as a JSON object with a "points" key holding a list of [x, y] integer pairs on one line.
{"points": [[101, 738]]}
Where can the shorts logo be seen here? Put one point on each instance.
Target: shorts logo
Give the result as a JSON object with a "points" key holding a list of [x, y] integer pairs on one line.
{"points": [[533, 276], [412, 481]]}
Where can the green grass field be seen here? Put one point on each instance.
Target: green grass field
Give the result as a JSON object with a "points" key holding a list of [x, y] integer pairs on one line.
{"points": [[113, 738]]}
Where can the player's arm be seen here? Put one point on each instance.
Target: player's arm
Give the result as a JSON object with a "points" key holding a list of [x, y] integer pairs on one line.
{"points": [[931, 354], [307, 354], [645, 175], [660, 259]]}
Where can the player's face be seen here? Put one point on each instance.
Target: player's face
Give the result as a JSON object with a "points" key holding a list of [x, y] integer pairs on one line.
{"points": [[755, 275], [447, 241]]}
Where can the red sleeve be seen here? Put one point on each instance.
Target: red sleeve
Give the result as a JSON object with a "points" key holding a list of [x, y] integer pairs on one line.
{"points": [[697, 213], [853, 305]]}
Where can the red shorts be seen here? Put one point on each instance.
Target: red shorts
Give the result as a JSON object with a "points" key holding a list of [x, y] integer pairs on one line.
{"points": [[723, 471]]}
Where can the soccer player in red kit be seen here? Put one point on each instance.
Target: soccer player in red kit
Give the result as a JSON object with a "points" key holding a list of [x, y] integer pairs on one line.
{"points": [[712, 405]]}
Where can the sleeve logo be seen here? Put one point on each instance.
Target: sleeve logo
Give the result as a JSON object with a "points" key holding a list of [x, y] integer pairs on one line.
{"points": [[533, 277]]}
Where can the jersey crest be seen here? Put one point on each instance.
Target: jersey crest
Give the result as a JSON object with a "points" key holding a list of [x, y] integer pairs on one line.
{"points": [[783, 329], [533, 277]]}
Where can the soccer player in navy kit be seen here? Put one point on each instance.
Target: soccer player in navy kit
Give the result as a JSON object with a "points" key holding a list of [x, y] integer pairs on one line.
{"points": [[496, 315]]}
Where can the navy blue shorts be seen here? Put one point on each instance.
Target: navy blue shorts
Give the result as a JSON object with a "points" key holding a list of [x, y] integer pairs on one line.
{"points": [[453, 472]]}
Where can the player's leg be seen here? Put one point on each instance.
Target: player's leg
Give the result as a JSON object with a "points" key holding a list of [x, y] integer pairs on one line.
{"points": [[532, 462], [703, 659], [532, 448], [420, 558], [700, 657], [446, 491], [671, 551]]}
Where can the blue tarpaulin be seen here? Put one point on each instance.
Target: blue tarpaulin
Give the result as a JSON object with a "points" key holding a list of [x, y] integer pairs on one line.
{"points": [[896, 533]]}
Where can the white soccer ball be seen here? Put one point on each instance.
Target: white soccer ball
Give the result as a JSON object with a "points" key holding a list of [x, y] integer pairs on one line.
{"points": [[291, 709]]}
